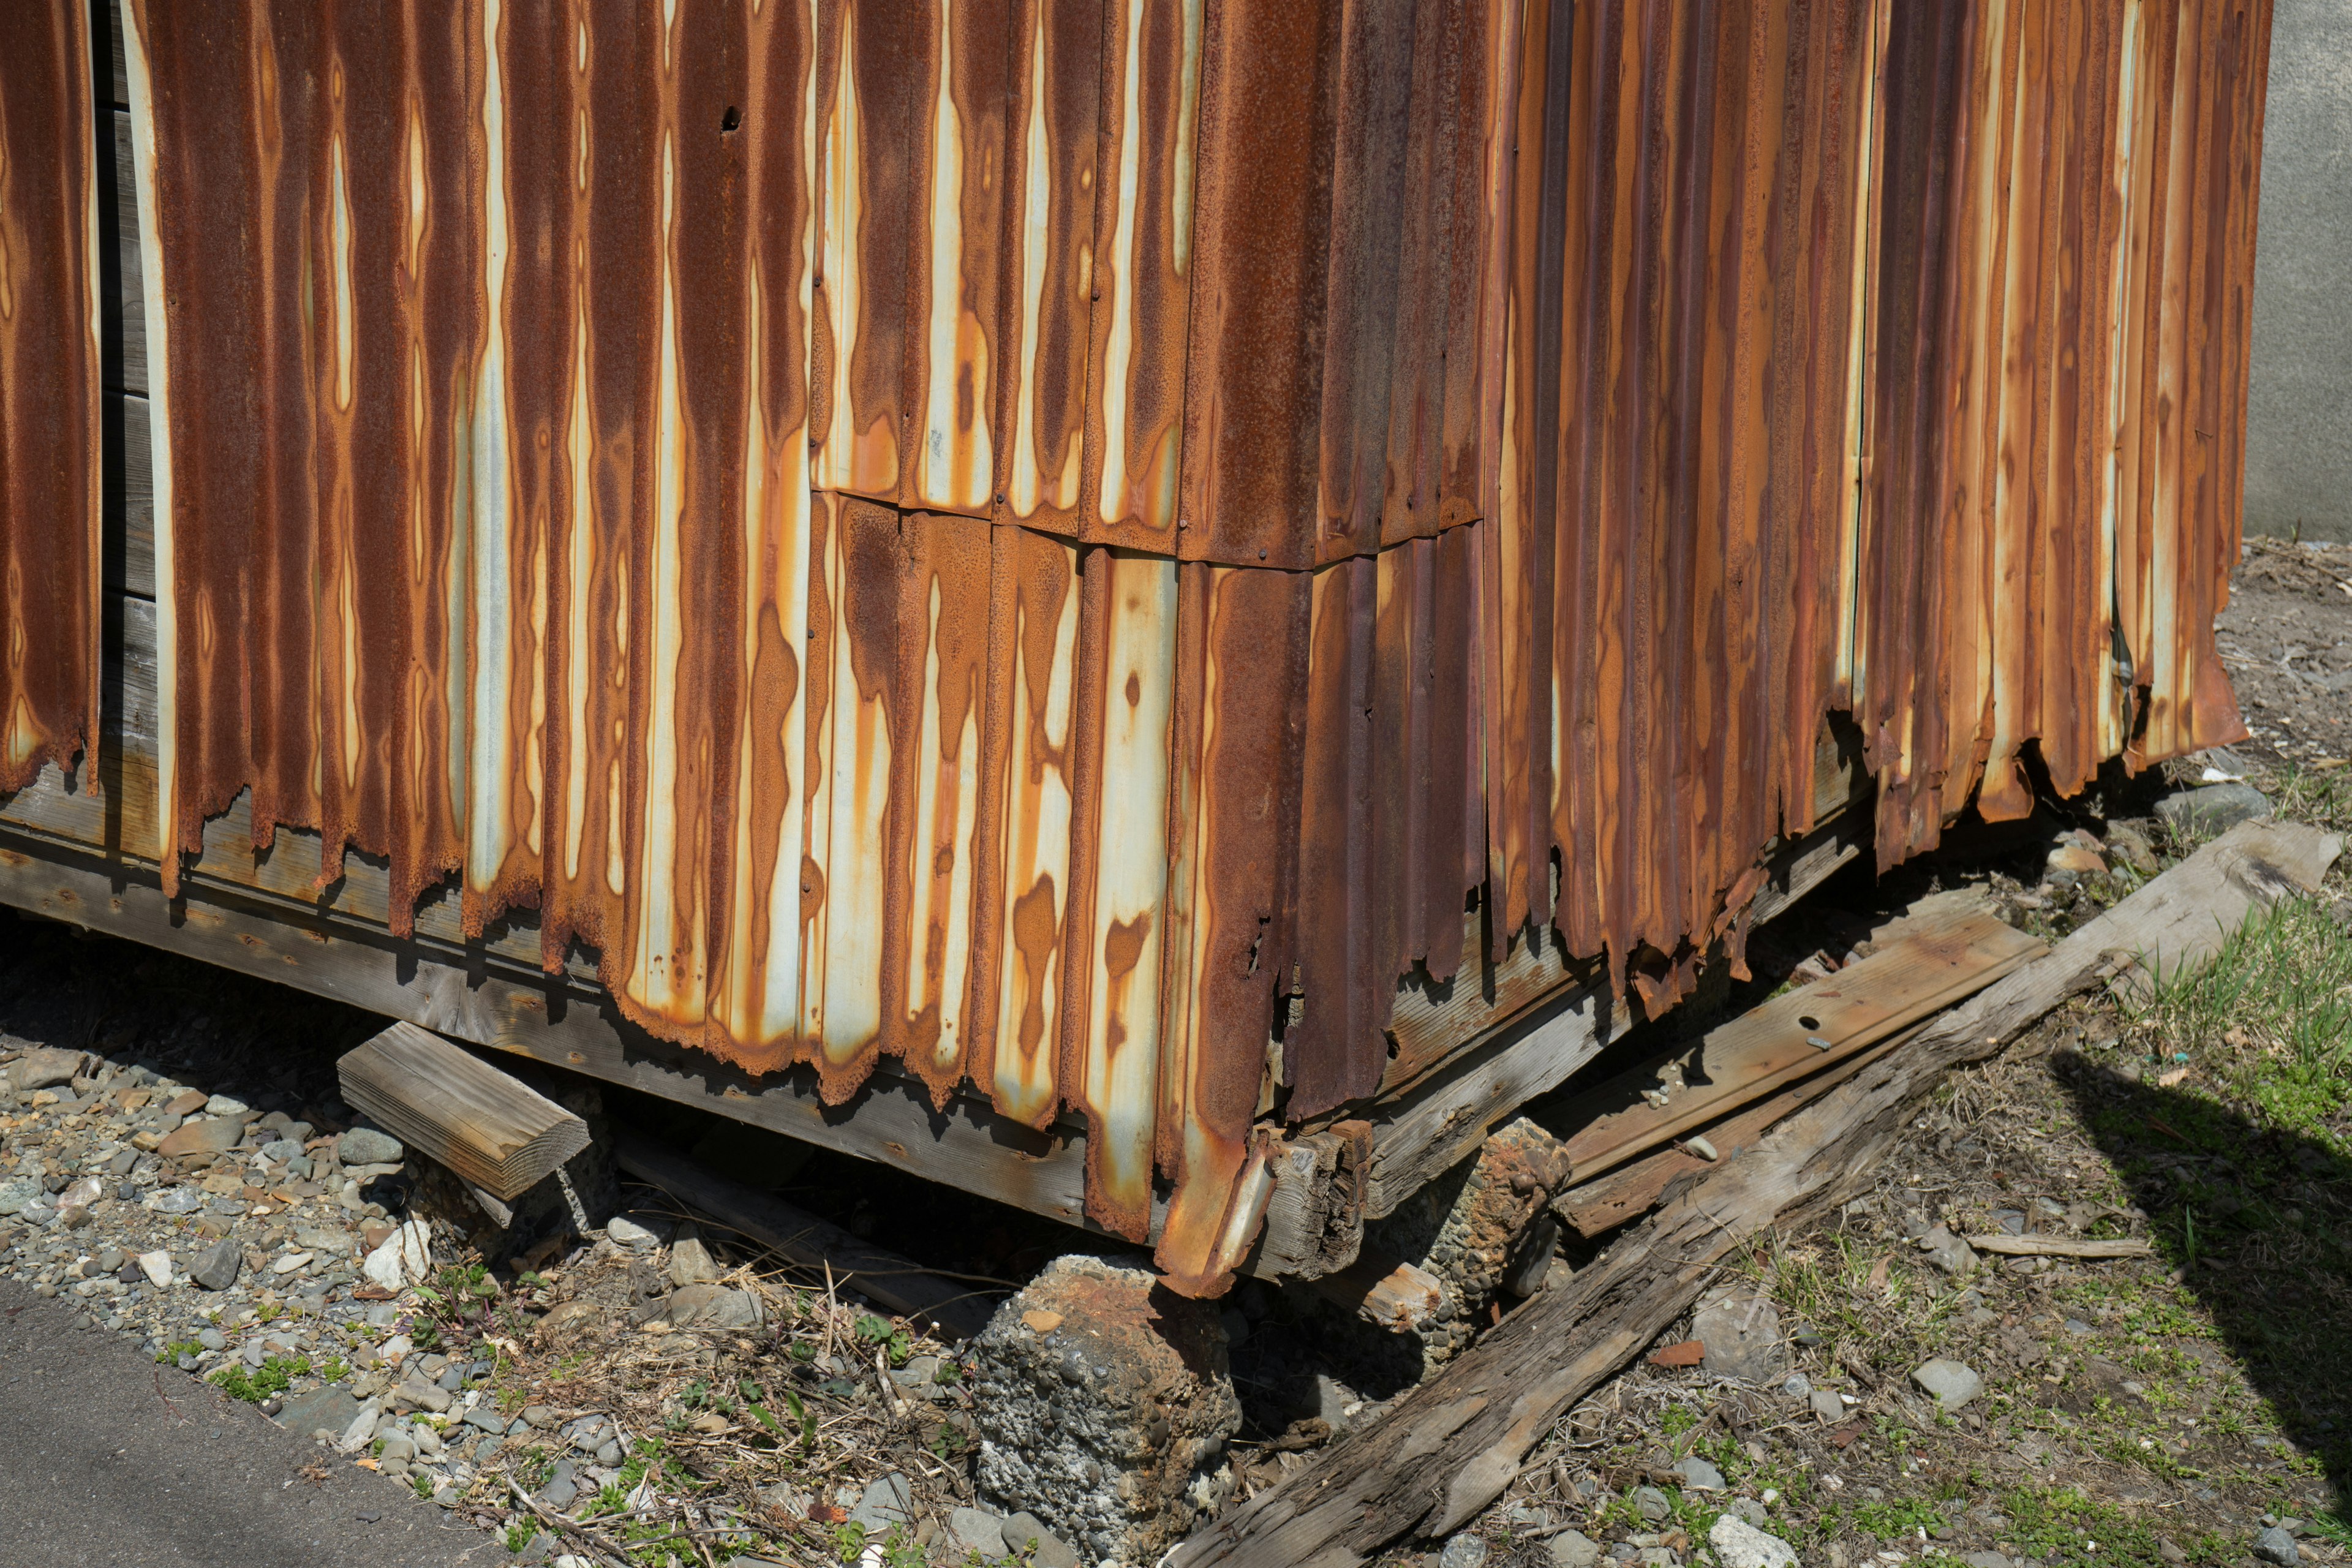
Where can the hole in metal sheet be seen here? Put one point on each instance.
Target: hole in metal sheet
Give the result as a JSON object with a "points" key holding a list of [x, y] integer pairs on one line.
{"points": [[731, 120]]}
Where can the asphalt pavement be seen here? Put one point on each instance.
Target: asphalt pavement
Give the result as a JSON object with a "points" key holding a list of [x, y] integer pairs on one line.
{"points": [[108, 1460]]}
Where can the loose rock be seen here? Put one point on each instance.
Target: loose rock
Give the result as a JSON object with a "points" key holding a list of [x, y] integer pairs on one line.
{"points": [[690, 1264], [1573, 1549], [1952, 1384], [219, 1267], [366, 1146], [2213, 808], [1463, 1552], [2277, 1546], [1024, 1532], [1742, 1335], [888, 1501], [1652, 1504], [1739, 1544]]}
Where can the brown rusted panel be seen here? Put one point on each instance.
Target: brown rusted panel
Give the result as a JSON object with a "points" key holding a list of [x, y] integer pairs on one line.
{"points": [[1142, 270], [50, 391], [1234, 793], [1052, 140], [1251, 411]]}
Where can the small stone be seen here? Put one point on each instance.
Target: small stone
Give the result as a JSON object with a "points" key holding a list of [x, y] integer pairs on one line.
{"points": [[212, 1135], [2277, 1546], [332, 1409], [18, 1193], [157, 1267], [226, 1105], [976, 1531], [1026, 1532], [1986, 1560], [280, 1151], [218, 1267], [1463, 1552], [1699, 1475], [886, 1502], [1798, 1386], [45, 1067], [292, 1263], [712, 1307], [1742, 1336], [2213, 808], [1749, 1509], [1652, 1504], [169, 1200], [540, 1416], [1950, 1383], [1739, 1544], [690, 1264], [486, 1418], [212, 1339], [1947, 1252], [362, 1430], [628, 1233], [366, 1146], [1573, 1549]]}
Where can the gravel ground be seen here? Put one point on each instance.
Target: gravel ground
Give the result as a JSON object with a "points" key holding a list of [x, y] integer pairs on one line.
{"points": [[2286, 640]]}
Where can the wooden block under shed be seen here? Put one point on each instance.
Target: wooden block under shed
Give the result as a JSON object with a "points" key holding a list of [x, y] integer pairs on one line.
{"points": [[487, 1125]]}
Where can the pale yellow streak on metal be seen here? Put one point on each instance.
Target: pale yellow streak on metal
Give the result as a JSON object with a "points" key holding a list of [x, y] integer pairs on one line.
{"points": [[1199, 1200], [955, 465], [866, 462], [858, 841], [159, 413], [1027, 483], [2166, 645], [1188, 114], [947, 801], [1037, 809], [491, 811], [663, 979], [1981, 422], [342, 249], [1848, 672], [817, 889], [582, 575], [2112, 733], [1119, 350], [1122, 1056], [2011, 555]]}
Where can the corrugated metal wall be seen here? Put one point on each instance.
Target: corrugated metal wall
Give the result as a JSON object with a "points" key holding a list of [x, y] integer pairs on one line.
{"points": [[49, 393], [1019, 536]]}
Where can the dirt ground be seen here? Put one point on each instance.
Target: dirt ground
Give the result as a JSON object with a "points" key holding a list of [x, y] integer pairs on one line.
{"points": [[2286, 640]]}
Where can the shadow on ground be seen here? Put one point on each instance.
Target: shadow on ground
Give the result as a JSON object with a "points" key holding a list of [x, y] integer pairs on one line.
{"points": [[2258, 1225]]}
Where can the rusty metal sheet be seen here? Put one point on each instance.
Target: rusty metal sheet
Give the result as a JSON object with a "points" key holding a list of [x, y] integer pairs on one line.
{"points": [[1080, 547], [50, 393]]}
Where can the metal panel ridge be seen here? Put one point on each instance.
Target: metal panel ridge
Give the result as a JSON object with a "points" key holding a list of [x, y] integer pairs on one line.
{"points": [[49, 395]]}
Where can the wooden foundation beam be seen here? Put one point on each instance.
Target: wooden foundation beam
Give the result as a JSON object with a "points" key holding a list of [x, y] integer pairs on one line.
{"points": [[1447, 1449]]}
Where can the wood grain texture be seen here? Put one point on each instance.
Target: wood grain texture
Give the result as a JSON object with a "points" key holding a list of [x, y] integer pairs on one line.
{"points": [[488, 1126], [2061, 1247], [1941, 959], [957, 1310], [1450, 1447]]}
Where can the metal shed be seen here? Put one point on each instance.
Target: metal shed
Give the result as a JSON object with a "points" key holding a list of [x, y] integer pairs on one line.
{"points": [[1161, 609]]}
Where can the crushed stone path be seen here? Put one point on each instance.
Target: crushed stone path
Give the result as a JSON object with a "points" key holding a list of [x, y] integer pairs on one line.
{"points": [[106, 1457]]}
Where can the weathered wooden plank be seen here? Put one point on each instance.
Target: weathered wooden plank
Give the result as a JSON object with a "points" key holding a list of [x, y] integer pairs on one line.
{"points": [[1443, 1117], [488, 1126], [1616, 1197], [957, 1311], [130, 497], [1950, 954], [1315, 1215], [122, 313], [891, 1122], [1451, 1445]]}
